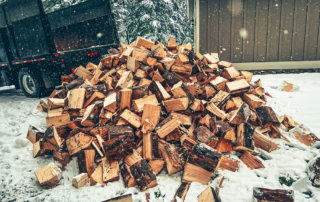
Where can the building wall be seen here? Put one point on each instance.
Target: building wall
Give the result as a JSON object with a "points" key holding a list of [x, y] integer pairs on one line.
{"points": [[259, 30]]}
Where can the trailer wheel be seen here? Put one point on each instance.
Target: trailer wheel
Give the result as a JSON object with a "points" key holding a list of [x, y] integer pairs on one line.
{"points": [[29, 83]]}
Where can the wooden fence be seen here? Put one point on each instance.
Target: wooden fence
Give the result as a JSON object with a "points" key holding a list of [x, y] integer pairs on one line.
{"points": [[259, 30]]}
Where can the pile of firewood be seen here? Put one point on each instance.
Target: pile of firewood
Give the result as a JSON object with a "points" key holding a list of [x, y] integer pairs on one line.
{"points": [[147, 106]]}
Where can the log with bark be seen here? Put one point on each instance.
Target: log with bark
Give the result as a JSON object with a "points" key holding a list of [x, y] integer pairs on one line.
{"points": [[143, 175], [208, 195], [49, 175], [268, 195]]}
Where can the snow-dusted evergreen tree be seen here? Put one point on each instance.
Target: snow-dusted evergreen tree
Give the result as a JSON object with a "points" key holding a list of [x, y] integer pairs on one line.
{"points": [[121, 13], [152, 19]]}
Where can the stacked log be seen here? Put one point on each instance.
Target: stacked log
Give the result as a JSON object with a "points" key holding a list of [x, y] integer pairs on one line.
{"points": [[149, 106]]}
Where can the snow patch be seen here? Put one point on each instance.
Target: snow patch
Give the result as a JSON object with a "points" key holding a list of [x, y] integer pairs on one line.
{"points": [[20, 143]]}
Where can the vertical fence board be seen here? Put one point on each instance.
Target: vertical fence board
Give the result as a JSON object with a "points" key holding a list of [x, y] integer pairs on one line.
{"points": [[310, 50], [273, 30], [249, 28], [203, 26], [236, 39], [213, 26], [225, 30], [286, 30], [260, 43], [318, 49], [299, 29]]}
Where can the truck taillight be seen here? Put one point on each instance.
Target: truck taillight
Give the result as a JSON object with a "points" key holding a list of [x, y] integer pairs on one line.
{"points": [[73, 70], [92, 54]]}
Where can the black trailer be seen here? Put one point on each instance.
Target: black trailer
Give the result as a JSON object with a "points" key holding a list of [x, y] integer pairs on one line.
{"points": [[36, 48]]}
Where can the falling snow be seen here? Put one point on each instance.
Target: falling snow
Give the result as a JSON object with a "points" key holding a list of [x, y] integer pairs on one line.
{"points": [[99, 35], [243, 33]]}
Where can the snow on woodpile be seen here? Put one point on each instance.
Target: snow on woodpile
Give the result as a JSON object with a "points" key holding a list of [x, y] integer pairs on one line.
{"points": [[150, 115]]}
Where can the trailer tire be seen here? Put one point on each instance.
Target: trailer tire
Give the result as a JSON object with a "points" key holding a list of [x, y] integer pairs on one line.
{"points": [[29, 83]]}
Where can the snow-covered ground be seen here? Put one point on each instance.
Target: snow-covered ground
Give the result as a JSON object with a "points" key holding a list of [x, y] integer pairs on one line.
{"points": [[17, 166]]}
